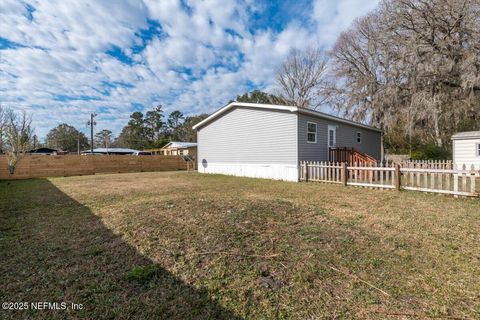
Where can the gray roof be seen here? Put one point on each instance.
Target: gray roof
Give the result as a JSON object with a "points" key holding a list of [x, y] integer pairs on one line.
{"points": [[43, 150], [283, 108], [466, 135], [111, 150]]}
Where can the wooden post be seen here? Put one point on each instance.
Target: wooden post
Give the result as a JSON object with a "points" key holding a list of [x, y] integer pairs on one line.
{"points": [[472, 179], [397, 177], [306, 171], [344, 174], [464, 178], [455, 182]]}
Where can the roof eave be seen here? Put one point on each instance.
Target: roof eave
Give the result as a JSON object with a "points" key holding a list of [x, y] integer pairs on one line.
{"points": [[283, 108], [465, 138], [338, 119]]}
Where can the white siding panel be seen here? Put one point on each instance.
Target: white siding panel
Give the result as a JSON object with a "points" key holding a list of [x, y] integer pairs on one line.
{"points": [[464, 152], [254, 170], [250, 142]]}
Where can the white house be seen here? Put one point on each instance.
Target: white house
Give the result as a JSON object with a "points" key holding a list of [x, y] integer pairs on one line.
{"points": [[466, 149], [269, 141]]}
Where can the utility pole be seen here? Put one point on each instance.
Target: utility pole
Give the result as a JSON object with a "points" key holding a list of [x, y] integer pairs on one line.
{"points": [[78, 143], [91, 123]]}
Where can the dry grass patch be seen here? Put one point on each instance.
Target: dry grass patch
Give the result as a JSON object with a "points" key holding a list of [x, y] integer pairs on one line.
{"points": [[183, 245]]}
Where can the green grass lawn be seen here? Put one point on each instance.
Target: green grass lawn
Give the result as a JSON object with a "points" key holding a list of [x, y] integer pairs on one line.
{"points": [[185, 245]]}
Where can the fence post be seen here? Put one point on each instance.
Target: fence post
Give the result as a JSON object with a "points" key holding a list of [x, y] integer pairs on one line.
{"points": [[472, 179], [306, 171], [455, 182], [397, 177], [344, 174]]}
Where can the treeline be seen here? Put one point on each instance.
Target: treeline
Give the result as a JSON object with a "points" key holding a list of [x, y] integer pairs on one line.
{"points": [[410, 67], [143, 131], [153, 131]]}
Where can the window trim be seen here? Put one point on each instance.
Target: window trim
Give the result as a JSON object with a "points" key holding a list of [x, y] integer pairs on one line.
{"points": [[334, 129], [311, 132], [359, 137]]}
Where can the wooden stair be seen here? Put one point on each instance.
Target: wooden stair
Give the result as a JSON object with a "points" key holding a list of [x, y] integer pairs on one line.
{"points": [[350, 156]]}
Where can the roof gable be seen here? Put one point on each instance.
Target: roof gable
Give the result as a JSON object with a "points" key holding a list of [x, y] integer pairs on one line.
{"points": [[179, 145]]}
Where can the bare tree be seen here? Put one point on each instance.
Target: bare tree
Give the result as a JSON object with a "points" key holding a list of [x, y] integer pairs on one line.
{"points": [[411, 66], [18, 134], [301, 78]]}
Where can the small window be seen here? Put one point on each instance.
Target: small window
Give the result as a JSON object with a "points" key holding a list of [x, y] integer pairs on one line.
{"points": [[359, 137], [311, 132], [478, 149]]}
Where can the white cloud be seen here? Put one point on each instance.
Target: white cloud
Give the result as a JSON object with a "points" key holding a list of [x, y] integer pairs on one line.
{"points": [[54, 61], [332, 17]]}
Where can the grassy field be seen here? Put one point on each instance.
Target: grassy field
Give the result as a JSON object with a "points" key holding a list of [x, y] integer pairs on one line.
{"points": [[185, 245]]}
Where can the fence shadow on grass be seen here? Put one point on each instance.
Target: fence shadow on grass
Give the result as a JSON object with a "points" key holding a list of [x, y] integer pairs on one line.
{"points": [[56, 250]]}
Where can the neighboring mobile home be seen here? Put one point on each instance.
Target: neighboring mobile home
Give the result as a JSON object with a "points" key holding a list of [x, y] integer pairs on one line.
{"points": [[466, 149], [110, 151], [46, 151], [269, 141], [177, 148]]}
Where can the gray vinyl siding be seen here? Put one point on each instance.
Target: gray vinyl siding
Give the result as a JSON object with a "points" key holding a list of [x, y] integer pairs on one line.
{"points": [[346, 137], [249, 135]]}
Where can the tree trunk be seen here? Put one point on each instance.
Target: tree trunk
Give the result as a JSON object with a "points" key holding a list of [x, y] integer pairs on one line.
{"points": [[436, 127]]}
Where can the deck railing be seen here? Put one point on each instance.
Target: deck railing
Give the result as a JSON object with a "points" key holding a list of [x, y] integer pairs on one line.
{"points": [[427, 164], [350, 156]]}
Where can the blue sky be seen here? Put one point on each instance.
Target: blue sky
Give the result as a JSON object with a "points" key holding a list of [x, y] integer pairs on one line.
{"points": [[61, 60]]}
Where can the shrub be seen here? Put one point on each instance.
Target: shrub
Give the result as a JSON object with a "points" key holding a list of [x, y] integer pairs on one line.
{"points": [[430, 152]]}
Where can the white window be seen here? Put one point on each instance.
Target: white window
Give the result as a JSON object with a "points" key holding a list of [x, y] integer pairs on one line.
{"points": [[359, 137], [332, 136], [311, 132]]}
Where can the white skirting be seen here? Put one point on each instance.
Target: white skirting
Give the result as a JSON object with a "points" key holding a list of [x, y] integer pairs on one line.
{"points": [[254, 170]]}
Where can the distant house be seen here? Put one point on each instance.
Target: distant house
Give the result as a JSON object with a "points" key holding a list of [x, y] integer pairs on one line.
{"points": [[270, 141], [111, 151], [466, 149], [177, 148], [45, 151]]}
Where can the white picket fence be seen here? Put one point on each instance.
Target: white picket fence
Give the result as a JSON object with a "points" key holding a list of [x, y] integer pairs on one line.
{"points": [[318, 171], [379, 176], [458, 182], [427, 164]]}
